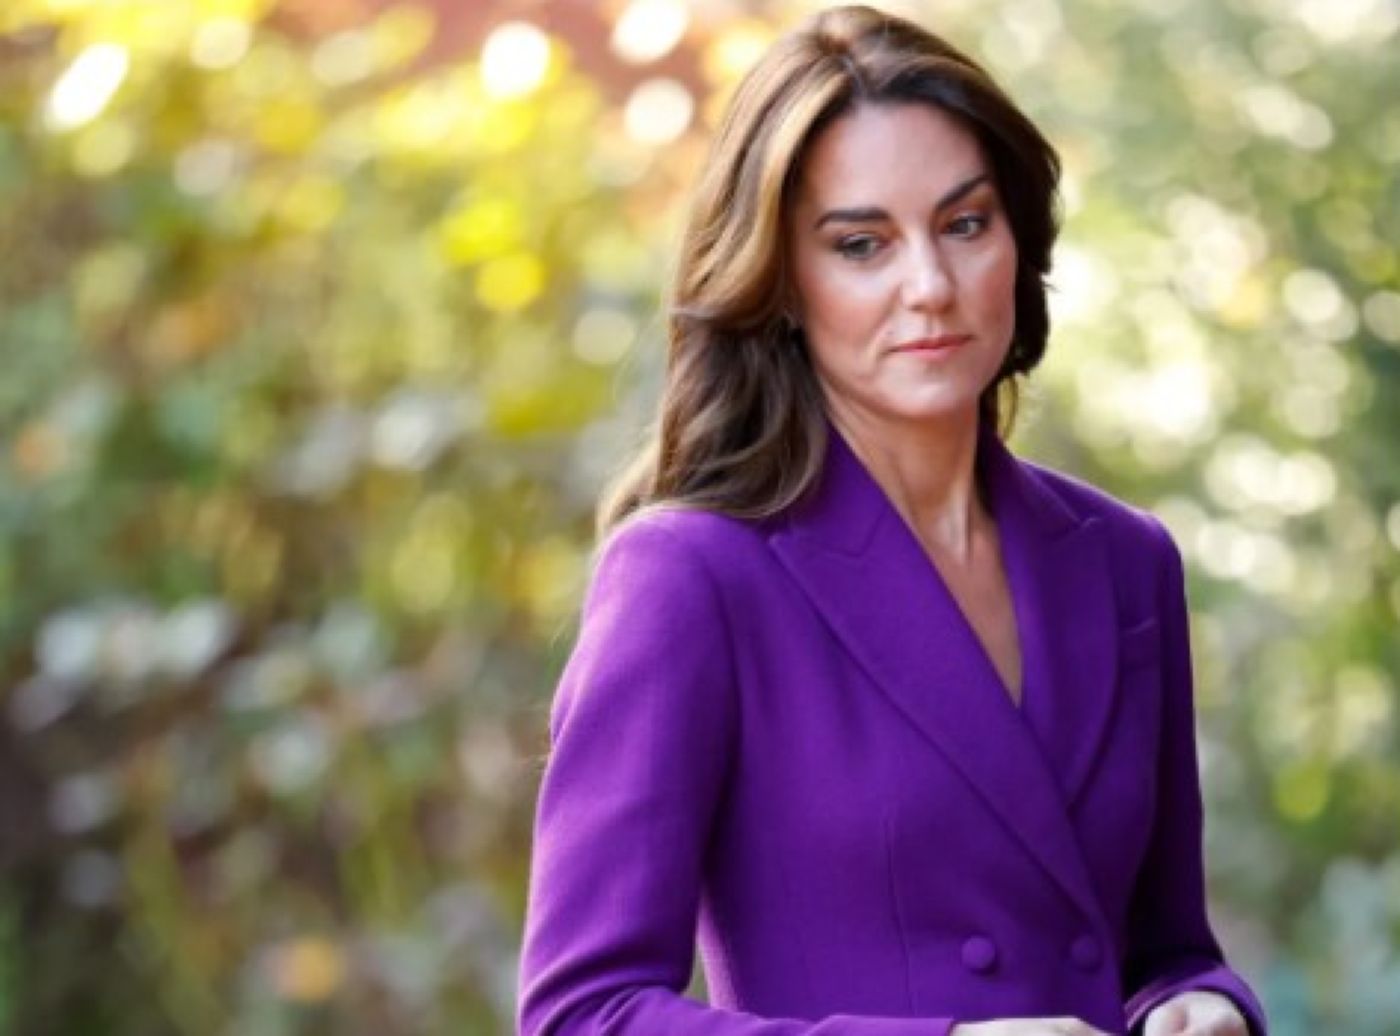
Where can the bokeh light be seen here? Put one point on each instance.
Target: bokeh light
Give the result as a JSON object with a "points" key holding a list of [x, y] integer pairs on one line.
{"points": [[86, 86], [649, 29], [659, 111], [514, 60]]}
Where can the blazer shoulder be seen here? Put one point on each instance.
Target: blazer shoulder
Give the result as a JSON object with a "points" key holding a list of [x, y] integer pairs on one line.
{"points": [[683, 538], [1131, 528]]}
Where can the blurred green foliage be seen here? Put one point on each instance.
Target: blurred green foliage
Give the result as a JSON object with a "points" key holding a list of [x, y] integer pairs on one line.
{"points": [[312, 345]]}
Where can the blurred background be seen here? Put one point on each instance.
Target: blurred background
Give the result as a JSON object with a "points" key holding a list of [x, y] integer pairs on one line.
{"points": [[322, 323]]}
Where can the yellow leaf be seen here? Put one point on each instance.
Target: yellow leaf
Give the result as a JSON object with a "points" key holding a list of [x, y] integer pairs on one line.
{"points": [[401, 33], [288, 126], [482, 230], [308, 969], [511, 282]]}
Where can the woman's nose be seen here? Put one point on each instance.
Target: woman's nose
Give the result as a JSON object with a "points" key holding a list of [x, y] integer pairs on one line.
{"points": [[928, 284]]}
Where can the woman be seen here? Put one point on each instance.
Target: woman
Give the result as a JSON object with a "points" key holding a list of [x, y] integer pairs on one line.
{"points": [[901, 724]]}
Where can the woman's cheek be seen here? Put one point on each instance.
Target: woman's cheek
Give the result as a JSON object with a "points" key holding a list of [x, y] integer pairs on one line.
{"points": [[845, 301], [1003, 273]]}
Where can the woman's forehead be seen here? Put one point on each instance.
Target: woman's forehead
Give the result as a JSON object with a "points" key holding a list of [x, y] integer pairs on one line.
{"points": [[883, 151]]}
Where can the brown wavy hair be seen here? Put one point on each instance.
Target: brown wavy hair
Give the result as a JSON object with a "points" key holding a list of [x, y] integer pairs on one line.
{"points": [[741, 425]]}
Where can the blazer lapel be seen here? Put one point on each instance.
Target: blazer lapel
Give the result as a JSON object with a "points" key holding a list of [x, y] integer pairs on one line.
{"points": [[868, 576], [1066, 614]]}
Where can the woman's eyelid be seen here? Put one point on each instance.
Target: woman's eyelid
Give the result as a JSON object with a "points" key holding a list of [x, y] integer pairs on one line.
{"points": [[866, 242], [980, 215]]}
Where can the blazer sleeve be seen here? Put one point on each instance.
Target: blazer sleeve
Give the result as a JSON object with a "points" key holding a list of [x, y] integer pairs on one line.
{"points": [[1171, 948], [642, 730]]}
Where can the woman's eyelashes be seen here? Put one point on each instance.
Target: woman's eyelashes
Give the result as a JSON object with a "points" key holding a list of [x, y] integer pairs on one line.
{"points": [[857, 246], [860, 247], [969, 225]]}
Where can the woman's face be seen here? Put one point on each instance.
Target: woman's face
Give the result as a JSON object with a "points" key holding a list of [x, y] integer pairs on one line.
{"points": [[904, 265]]}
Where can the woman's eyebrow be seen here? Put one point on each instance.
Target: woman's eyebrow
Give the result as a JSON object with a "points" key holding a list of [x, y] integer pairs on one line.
{"points": [[874, 215]]}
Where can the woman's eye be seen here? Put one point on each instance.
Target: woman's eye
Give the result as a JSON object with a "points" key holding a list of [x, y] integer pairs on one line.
{"points": [[968, 226], [861, 246]]}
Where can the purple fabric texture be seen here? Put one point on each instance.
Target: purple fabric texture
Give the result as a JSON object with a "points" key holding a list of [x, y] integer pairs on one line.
{"points": [[784, 737]]}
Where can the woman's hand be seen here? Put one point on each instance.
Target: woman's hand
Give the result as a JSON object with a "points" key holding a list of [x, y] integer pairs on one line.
{"points": [[1027, 1027], [1196, 1014]]}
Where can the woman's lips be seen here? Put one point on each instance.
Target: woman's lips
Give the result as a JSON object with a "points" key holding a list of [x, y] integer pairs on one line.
{"points": [[933, 345]]}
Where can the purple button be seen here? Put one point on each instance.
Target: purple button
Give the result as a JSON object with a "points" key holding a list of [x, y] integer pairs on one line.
{"points": [[979, 953], [1086, 952]]}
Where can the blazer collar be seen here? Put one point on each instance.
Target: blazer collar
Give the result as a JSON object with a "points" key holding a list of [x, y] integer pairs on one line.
{"points": [[847, 504], [866, 573]]}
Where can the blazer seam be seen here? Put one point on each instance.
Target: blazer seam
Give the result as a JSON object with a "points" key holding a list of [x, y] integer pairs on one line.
{"points": [[717, 596], [899, 923], [721, 937]]}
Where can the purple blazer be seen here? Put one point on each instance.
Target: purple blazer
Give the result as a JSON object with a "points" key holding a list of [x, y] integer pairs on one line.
{"points": [[785, 737]]}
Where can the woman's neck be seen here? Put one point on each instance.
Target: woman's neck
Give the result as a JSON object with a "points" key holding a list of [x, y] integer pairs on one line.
{"points": [[928, 472]]}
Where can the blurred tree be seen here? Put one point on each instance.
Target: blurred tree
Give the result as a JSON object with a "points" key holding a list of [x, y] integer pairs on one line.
{"points": [[298, 354]]}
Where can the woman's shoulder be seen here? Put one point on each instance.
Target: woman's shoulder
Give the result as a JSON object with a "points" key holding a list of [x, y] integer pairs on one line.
{"points": [[1130, 526], [682, 539], [697, 527]]}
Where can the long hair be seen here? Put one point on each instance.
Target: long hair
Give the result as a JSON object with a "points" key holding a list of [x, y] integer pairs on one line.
{"points": [[741, 426]]}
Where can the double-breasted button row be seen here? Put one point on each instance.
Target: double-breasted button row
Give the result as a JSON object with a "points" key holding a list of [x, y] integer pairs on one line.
{"points": [[1086, 952], [979, 953]]}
